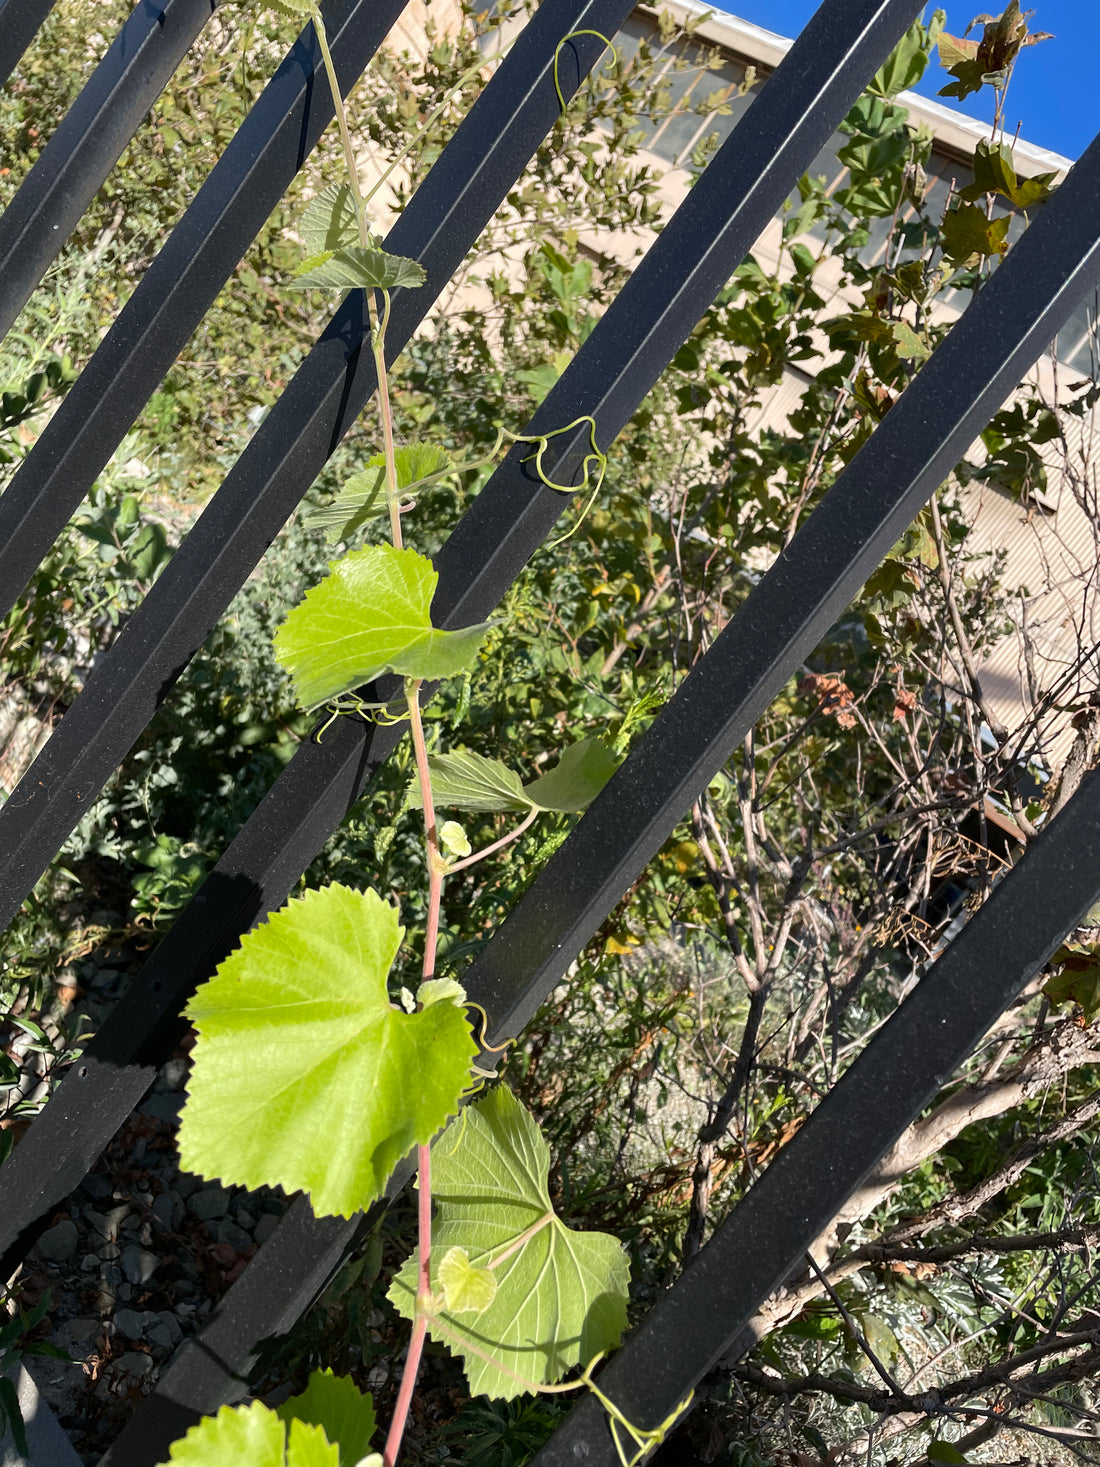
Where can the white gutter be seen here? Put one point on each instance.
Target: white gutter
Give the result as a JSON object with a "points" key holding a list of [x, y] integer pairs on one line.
{"points": [[763, 49]]}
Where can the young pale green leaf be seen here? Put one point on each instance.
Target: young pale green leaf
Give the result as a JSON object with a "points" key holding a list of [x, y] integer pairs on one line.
{"points": [[356, 268], [467, 1289], [304, 1074], [371, 614], [440, 990], [453, 840], [560, 1296], [577, 778], [336, 1405], [329, 223], [359, 501], [463, 780], [254, 1435]]}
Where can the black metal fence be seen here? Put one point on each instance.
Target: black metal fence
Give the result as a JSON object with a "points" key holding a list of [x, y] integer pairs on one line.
{"points": [[1009, 323]]}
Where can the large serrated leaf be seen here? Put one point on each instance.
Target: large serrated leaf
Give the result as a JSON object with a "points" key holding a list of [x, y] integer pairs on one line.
{"points": [[304, 1076], [328, 223], [463, 780], [560, 1296], [339, 1408], [356, 268], [255, 1436], [371, 614]]}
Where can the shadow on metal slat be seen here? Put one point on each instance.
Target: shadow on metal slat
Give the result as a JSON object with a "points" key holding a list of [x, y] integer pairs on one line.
{"points": [[47, 207], [180, 285]]}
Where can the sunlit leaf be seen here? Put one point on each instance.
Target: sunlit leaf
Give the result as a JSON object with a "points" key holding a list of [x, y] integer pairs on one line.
{"points": [[255, 1436], [356, 268], [453, 840], [560, 1296], [371, 614], [361, 499], [464, 780], [304, 1075], [336, 1405], [577, 778]]}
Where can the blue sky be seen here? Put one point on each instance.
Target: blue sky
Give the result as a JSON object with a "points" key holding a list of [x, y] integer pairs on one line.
{"points": [[1055, 90]]}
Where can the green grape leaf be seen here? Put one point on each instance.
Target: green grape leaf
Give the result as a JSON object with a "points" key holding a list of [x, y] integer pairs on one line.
{"points": [[336, 1405], [304, 1075], [416, 462], [466, 1288], [356, 268], [307, 1446], [418, 465], [254, 1435], [560, 1296], [328, 223], [360, 500], [577, 778], [464, 780], [947, 1452], [371, 614]]}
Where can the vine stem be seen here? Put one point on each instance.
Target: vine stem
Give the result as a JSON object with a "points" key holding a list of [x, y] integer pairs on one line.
{"points": [[424, 1178], [377, 326]]}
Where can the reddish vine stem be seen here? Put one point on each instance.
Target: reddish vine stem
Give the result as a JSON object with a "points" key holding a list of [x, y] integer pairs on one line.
{"points": [[423, 1304]]}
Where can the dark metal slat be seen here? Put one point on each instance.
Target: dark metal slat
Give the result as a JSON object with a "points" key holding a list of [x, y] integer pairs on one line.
{"points": [[20, 22], [87, 143], [180, 285], [768, 1233], [444, 218]]}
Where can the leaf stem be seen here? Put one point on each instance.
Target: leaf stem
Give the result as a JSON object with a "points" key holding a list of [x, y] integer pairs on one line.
{"points": [[496, 845], [342, 124], [518, 1242]]}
